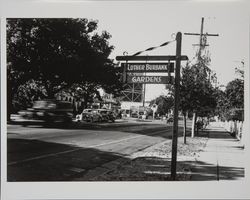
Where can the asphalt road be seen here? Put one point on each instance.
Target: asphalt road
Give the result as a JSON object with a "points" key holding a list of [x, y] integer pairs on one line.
{"points": [[59, 153]]}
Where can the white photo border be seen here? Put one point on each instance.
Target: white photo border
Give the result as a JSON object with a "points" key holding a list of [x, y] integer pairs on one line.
{"points": [[103, 190]]}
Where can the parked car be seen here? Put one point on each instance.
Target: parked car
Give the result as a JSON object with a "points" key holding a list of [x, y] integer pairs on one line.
{"points": [[134, 115], [112, 116], [49, 111], [106, 115], [94, 116], [84, 115]]}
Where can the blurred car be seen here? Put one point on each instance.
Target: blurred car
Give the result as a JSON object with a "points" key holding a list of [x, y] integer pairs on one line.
{"points": [[49, 111]]}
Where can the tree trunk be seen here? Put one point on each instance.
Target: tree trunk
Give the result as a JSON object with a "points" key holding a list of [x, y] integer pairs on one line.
{"points": [[193, 125], [184, 127], [196, 127]]}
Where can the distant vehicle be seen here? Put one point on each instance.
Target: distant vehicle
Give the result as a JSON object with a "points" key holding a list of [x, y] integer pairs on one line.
{"points": [[84, 115], [49, 111], [104, 114], [94, 116], [107, 115], [90, 115], [134, 115], [143, 116], [112, 116]]}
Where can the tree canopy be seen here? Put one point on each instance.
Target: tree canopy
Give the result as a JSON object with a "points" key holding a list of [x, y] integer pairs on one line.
{"points": [[58, 53], [230, 103], [235, 93], [196, 91], [164, 103]]}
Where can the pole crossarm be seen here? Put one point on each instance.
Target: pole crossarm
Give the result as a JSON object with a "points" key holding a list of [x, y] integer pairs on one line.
{"points": [[203, 41], [150, 58]]}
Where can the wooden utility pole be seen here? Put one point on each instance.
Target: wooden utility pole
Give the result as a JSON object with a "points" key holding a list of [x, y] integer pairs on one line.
{"points": [[202, 45], [176, 106], [203, 36]]}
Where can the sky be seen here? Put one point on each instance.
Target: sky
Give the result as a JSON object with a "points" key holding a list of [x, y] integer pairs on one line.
{"points": [[138, 25]]}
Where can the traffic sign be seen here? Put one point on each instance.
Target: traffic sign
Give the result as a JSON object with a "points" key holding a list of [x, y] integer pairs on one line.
{"points": [[150, 79], [148, 67]]}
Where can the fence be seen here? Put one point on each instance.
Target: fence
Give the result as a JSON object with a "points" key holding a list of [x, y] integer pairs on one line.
{"points": [[234, 127]]}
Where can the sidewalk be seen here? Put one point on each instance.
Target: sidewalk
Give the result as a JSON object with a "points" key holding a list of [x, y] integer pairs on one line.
{"points": [[221, 159]]}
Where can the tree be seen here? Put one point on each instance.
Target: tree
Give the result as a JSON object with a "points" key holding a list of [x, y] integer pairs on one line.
{"points": [[230, 103], [27, 93], [235, 93], [196, 92], [58, 53], [164, 103], [240, 70]]}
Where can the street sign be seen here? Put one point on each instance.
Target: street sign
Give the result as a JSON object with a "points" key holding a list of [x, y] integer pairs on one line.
{"points": [[148, 67], [150, 79]]}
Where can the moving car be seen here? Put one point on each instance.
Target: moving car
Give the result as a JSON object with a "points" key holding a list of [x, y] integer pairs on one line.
{"points": [[49, 111]]}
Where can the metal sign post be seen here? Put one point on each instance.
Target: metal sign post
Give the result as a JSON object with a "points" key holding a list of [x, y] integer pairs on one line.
{"points": [[176, 106]]}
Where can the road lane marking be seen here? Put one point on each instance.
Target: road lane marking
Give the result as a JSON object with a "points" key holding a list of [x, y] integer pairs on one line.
{"points": [[81, 148]]}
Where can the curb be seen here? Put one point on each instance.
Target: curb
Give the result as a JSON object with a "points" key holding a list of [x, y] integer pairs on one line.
{"points": [[93, 174]]}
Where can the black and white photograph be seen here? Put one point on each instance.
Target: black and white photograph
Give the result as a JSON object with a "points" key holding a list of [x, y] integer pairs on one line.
{"points": [[119, 94]]}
